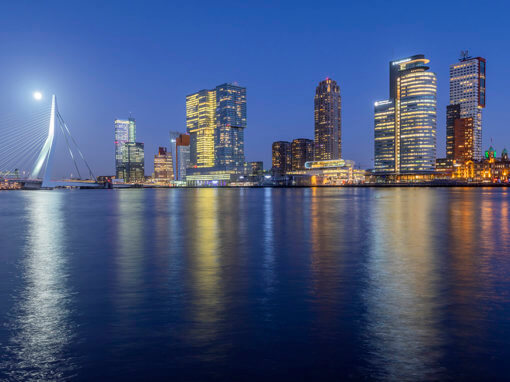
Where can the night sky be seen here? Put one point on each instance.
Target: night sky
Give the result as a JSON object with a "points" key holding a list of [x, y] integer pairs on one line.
{"points": [[105, 59]]}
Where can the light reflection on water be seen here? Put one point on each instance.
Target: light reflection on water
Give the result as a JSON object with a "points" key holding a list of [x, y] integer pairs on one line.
{"points": [[206, 298], [39, 325], [403, 290], [386, 284]]}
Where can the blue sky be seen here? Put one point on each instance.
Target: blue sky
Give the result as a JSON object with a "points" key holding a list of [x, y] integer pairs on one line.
{"points": [[107, 59]]}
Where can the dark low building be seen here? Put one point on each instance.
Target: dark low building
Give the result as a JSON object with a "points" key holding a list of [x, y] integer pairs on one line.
{"points": [[281, 158], [301, 152]]}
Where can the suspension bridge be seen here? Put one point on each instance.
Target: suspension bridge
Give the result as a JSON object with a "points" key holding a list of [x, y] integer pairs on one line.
{"points": [[30, 149]]}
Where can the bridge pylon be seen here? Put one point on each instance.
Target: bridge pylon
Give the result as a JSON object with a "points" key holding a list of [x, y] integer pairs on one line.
{"points": [[45, 158]]}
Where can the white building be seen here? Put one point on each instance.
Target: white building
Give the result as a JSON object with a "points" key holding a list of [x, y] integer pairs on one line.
{"points": [[467, 89]]}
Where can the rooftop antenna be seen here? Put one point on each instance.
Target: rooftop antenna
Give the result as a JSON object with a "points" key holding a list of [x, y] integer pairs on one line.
{"points": [[464, 55]]}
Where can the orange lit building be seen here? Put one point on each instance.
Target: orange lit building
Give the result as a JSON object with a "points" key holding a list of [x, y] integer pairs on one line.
{"points": [[463, 146]]}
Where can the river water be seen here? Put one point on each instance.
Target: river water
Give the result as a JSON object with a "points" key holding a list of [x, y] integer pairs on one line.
{"points": [[251, 284]]}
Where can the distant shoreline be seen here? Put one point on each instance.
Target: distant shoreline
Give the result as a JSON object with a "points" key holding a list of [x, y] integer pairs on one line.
{"points": [[382, 185]]}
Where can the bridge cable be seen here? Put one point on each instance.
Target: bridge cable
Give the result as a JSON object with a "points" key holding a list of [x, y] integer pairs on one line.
{"points": [[77, 147], [69, 148]]}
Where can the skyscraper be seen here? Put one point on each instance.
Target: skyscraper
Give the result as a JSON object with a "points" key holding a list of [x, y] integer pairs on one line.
{"points": [[182, 157], [385, 138], [452, 114], [173, 148], [301, 152], [133, 170], [467, 89], [281, 158], [215, 120], [230, 125], [405, 124], [201, 125], [125, 131], [163, 166], [328, 121]]}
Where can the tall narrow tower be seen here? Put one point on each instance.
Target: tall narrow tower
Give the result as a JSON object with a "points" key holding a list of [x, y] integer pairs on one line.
{"points": [[467, 89], [328, 121], [201, 126]]}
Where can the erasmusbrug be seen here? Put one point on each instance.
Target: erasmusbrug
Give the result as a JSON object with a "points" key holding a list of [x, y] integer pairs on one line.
{"points": [[30, 151]]}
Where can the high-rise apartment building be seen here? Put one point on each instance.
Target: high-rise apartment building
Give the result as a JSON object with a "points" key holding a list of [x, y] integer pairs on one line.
{"points": [[328, 121], [215, 120], [281, 158], [182, 157], [467, 89], [405, 124], [125, 131], [163, 166], [301, 152], [133, 167]]}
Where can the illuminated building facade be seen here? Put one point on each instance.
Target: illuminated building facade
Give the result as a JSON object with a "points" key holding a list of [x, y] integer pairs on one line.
{"points": [[254, 168], [281, 158], [200, 124], [301, 152], [163, 166], [490, 169], [410, 133], [328, 121], [464, 139], [334, 172], [125, 131], [467, 89], [133, 166], [384, 125], [215, 120], [182, 157], [230, 125]]}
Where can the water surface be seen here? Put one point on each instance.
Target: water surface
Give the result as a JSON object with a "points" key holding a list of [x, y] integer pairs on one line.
{"points": [[240, 284]]}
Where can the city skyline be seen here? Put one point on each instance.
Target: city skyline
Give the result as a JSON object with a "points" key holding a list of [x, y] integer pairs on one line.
{"points": [[280, 86]]}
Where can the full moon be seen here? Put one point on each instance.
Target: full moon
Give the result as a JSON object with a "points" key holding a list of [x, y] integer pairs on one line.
{"points": [[38, 95]]}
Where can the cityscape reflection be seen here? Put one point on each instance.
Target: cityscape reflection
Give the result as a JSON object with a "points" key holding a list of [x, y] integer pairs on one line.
{"points": [[206, 294], [402, 297], [213, 284], [40, 325]]}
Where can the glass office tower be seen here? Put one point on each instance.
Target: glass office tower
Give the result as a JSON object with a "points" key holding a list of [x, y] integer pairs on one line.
{"points": [[201, 126], [410, 133], [125, 131], [182, 157], [384, 140], [215, 120], [173, 148], [328, 121], [230, 125], [133, 163]]}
